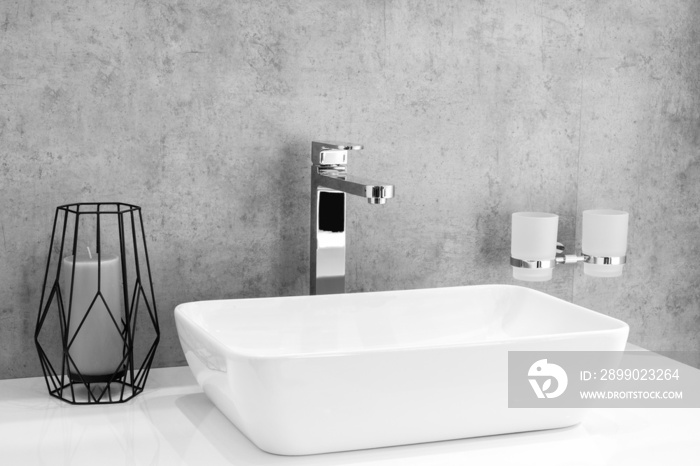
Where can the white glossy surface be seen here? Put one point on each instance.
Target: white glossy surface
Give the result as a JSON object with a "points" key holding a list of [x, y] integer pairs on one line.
{"points": [[173, 423], [315, 374]]}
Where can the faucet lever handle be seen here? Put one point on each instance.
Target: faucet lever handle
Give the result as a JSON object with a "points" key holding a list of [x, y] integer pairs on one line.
{"points": [[331, 153]]}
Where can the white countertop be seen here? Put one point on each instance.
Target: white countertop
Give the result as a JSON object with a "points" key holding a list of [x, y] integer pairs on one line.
{"points": [[172, 422]]}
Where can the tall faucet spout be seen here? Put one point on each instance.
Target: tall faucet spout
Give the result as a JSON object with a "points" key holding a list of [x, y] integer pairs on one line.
{"points": [[330, 186], [375, 192]]}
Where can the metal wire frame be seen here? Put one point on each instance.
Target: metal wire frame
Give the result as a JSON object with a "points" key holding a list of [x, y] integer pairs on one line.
{"points": [[128, 380]]}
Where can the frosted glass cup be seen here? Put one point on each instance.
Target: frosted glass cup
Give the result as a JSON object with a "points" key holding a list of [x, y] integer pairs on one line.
{"points": [[604, 235], [533, 237]]}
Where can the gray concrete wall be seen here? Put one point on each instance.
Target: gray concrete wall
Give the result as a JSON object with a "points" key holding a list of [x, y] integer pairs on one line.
{"points": [[202, 112]]}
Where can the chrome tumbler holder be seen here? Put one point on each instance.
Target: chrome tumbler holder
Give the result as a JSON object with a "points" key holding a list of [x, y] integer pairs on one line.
{"points": [[562, 258]]}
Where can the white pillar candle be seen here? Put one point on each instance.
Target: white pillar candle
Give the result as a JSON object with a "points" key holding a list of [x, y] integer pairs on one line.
{"points": [[98, 347]]}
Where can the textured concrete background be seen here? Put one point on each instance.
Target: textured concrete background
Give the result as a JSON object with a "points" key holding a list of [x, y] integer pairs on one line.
{"points": [[202, 112]]}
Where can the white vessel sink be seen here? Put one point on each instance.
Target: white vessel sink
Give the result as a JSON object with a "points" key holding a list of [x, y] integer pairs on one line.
{"points": [[315, 374]]}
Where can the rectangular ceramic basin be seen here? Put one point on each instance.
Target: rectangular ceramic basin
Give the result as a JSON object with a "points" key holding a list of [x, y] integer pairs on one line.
{"points": [[315, 374]]}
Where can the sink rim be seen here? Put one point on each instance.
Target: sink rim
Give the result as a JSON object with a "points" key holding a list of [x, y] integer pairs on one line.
{"points": [[181, 312]]}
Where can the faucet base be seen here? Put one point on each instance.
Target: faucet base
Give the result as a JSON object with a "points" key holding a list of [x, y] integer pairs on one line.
{"points": [[327, 246]]}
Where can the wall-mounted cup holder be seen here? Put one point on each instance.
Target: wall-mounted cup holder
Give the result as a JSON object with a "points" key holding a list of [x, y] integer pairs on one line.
{"points": [[535, 251]]}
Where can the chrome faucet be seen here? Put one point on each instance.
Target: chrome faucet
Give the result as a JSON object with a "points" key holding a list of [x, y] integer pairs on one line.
{"points": [[329, 185]]}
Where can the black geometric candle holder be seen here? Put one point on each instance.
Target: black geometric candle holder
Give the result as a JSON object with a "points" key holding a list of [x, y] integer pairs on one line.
{"points": [[97, 329]]}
